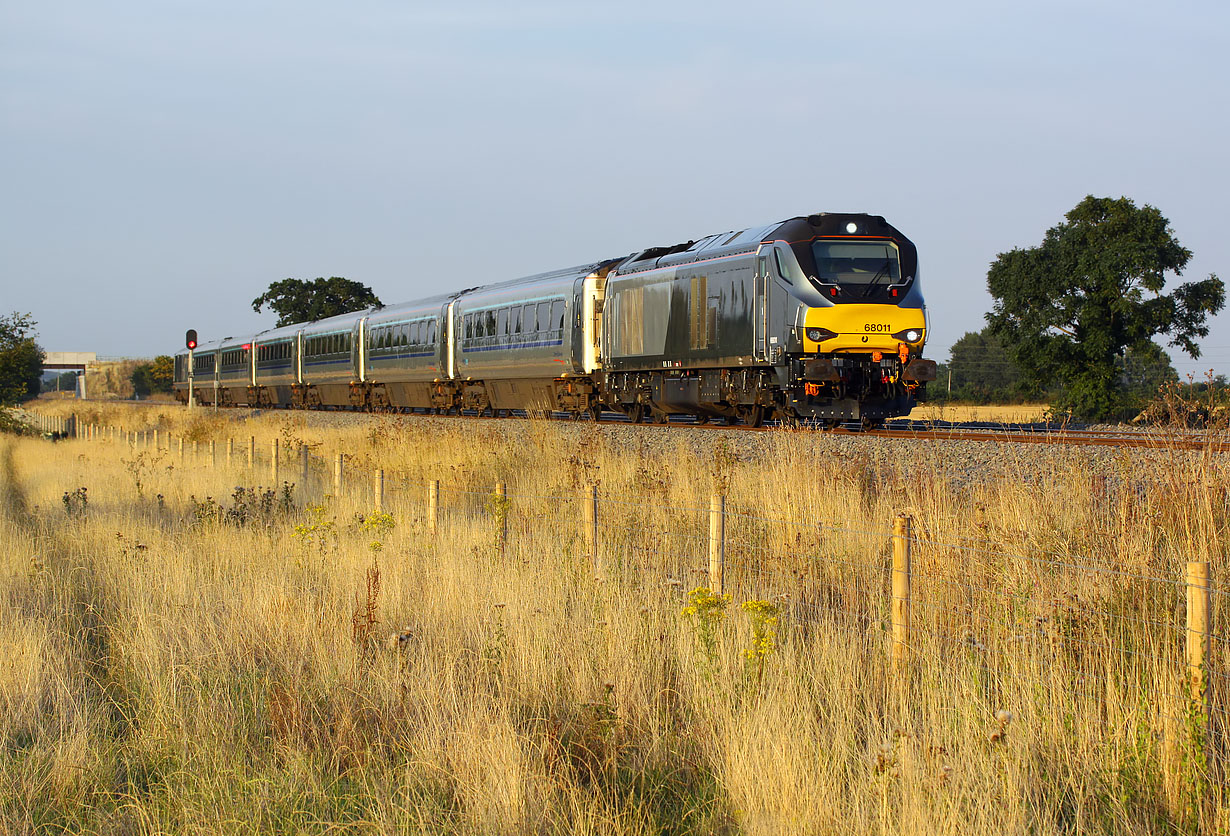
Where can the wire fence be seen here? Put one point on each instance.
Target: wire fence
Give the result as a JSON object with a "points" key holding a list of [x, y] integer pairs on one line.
{"points": [[1094, 638]]}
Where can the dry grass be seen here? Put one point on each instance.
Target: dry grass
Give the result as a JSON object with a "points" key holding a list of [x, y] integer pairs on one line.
{"points": [[992, 414], [168, 666]]}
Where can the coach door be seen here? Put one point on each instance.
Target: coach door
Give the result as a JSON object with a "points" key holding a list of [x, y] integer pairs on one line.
{"points": [[358, 356], [760, 307]]}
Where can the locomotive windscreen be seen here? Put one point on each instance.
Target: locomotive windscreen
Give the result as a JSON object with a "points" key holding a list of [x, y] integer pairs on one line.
{"points": [[856, 262]]}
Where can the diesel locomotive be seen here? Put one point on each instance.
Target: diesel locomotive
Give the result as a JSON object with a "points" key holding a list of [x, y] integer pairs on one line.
{"points": [[817, 318]]}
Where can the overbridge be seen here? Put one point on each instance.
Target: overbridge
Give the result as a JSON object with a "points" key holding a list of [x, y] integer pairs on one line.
{"points": [[71, 360]]}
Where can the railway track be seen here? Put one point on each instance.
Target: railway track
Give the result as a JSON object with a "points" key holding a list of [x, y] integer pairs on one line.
{"points": [[932, 431], [1043, 434]]}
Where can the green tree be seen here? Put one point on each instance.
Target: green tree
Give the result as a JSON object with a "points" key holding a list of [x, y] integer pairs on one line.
{"points": [[63, 382], [1143, 371], [155, 377], [983, 370], [296, 300], [1069, 309], [21, 359]]}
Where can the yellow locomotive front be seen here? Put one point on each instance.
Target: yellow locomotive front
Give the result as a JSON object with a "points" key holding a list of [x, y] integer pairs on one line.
{"points": [[860, 325]]}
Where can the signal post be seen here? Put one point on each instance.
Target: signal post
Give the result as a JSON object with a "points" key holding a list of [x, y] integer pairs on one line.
{"points": [[190, 341]]}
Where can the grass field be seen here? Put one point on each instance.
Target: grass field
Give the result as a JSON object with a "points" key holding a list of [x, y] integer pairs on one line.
{"points": [[993, 414], [180, 654]]}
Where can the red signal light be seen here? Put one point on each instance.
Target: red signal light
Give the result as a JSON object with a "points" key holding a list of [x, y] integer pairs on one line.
{"points": [[190, 338]]}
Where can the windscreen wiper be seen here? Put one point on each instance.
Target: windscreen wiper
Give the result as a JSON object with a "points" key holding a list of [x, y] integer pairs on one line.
{"points": [[883, 271]]}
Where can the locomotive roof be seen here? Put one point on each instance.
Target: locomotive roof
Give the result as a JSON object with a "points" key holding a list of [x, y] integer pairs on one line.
{"points": [[735, 242]]}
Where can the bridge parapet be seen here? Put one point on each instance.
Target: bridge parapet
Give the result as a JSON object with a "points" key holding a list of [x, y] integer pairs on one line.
{"points": [[69, 359]]}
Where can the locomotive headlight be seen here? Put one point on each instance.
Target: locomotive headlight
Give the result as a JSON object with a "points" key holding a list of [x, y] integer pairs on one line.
{"points": [[818, 335], [851, 227], [911, 335]]}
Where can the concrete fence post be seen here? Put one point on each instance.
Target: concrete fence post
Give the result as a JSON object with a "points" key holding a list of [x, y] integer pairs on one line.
{"points": [[1199, 608], [305, 466], [717, 544], [230, 453], [589, 506], [338, 464], [251, 452], [273, 461], [901, 591], [378, 490], [501, 534], [433, 506]]}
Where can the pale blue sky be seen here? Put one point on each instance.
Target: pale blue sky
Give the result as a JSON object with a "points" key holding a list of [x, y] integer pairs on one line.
{"points": [[163, 162]]}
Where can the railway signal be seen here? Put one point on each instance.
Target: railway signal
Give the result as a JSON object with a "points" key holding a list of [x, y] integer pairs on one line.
{"points": [[190, 341]]}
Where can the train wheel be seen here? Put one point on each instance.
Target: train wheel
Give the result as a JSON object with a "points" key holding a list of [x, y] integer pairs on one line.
{"points": [[752, 415], [660, 417], [637, 413], [788, 418], [595, 412], [702, 419]]}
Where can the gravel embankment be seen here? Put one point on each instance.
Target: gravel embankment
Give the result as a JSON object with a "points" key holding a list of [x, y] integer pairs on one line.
{"points": [[958, 462]]}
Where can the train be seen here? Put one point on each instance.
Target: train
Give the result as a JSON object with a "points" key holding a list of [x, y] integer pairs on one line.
{"points": [[817, 319]]}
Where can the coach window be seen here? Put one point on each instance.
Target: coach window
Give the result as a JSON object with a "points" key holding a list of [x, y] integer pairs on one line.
{"points": [[431, 331], [544, 316], [502, 321], [557, 315]]}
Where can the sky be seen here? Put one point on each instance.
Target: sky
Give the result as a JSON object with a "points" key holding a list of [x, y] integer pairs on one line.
{"points": [[164, 161]]}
